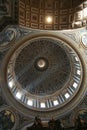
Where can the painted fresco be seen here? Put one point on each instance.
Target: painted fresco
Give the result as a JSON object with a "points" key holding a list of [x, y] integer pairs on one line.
{"points": [[7, 120]]}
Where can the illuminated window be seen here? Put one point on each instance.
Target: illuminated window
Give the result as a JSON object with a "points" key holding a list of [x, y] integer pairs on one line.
{"points": [[67, 95], [78, 72], [30, 102], [76, 59], [78, 23], [10, 83], [55, 102], [49, 19], [42, 105], [18, 95], [75, 85], [8, 70]]}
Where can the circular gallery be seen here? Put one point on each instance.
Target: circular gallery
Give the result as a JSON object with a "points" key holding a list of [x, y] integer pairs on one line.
{"points": [[43, 74]]}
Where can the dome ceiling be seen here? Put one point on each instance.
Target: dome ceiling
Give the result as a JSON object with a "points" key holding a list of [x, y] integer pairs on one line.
{"points": [[43, 73], [53, 14], [47, 67], [35, 13]]}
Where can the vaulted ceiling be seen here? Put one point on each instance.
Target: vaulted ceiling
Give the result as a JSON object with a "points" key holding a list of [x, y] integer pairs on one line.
{"points": [[63, 14]]}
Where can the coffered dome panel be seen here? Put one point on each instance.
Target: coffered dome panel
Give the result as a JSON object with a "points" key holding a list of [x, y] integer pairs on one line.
{"points": [[53, 14]]}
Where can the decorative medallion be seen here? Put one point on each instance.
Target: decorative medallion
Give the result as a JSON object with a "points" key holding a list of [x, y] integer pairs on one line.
{"points": [[7, 36], [84, 40], [8, 119]]}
